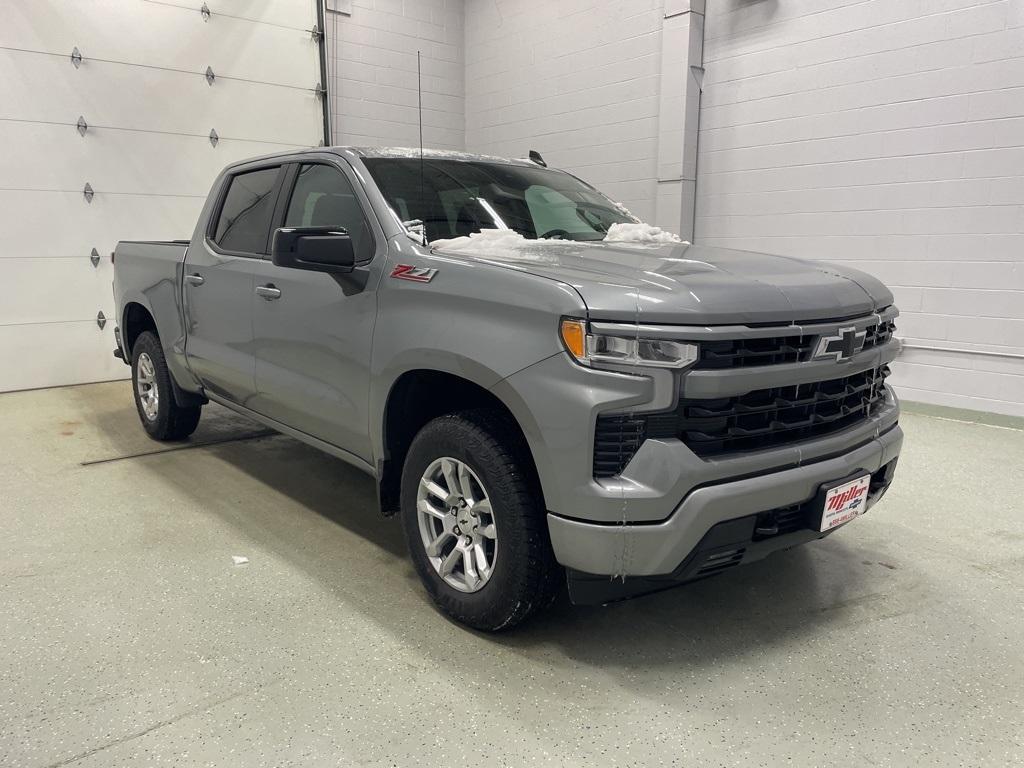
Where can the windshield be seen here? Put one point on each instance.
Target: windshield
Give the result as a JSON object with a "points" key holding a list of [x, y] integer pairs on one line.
{"points": [[458, 197]]}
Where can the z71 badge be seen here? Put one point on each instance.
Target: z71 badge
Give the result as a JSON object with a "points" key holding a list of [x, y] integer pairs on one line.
{"points": [[416, 274]]}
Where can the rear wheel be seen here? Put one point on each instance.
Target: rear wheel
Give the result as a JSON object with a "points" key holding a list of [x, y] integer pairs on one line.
{"points": [[161, 416], [474, 522]]}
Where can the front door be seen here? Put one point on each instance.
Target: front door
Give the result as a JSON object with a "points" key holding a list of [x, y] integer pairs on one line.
{"points": [[218, 284], [313, 330]]}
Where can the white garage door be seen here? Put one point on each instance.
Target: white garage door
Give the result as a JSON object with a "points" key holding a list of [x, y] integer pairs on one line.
{"points": [[887, 135], [154, 79]]}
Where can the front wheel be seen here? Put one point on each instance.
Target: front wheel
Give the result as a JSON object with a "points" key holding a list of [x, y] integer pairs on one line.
{"points": [[161, 416], [474, 522]]}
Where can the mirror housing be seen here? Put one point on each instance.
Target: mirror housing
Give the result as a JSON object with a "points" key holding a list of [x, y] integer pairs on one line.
{"points": [[318, 249]]}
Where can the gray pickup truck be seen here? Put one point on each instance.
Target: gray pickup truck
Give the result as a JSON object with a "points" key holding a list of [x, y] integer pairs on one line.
{"points": [[538, 399]]}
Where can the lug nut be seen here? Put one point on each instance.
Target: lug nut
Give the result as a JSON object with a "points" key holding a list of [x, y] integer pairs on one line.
{"points": [[457, 531]]}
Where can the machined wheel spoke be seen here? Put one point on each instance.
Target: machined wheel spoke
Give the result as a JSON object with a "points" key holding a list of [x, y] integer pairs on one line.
{"points": [[425, 506], [450, 476], [483, 507], [465, 484], [488, 531], [435, 547], [482, 566], [469, 566], [434, 489], [450, 561]]}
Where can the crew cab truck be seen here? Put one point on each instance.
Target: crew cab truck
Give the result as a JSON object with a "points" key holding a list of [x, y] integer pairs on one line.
{"points": [[538, 400]]}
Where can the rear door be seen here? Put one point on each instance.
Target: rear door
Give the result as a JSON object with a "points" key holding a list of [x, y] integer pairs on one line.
{"points": [[313, 330], [218, 282]]}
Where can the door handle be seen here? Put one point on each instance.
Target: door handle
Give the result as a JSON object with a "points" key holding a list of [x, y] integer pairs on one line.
{"points": [[268, 291], [195, 279]]}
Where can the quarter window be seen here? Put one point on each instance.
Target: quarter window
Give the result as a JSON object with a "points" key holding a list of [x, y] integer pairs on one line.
{"points": [[244, 222]]}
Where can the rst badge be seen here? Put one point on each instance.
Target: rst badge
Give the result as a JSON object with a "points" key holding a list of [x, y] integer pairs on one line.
{"points": [[414, 273], [845, 344]]}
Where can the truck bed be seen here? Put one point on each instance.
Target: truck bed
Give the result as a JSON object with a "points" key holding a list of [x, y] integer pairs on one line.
{"points": [[148, 273]]}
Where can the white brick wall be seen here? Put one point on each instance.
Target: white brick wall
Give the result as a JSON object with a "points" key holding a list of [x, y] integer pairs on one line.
{"points": [[887, 135], [576, 80], [372, 68]]}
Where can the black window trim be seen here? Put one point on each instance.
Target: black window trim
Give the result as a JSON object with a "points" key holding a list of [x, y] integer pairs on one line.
{"points": [[289, 182], [222, 194]]}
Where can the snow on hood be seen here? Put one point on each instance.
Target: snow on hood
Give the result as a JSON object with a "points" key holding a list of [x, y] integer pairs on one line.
{"points": [[500, 243], [639, 233], [507, 242]]}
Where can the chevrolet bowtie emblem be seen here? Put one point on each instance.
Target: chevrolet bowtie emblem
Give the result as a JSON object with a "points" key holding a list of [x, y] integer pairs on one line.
{"points": [[845, 344]]}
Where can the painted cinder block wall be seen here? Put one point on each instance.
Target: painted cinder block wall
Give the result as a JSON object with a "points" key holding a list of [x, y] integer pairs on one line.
{"points": [[372, 47], [888, 136], [581, 82]]}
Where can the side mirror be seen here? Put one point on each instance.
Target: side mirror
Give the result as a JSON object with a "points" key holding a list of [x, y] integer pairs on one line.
{"points": [[319, 249]]}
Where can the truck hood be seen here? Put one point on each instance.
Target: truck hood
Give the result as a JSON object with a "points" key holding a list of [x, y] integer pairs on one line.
{"points": [[695, 284]]}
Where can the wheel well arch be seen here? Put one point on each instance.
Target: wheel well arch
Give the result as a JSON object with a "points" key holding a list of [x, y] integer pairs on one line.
{"points": [[137, 320], [417, 397]]}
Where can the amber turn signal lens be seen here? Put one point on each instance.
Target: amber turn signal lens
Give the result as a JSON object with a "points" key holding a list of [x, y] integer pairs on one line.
{"points": [[574, 334]]}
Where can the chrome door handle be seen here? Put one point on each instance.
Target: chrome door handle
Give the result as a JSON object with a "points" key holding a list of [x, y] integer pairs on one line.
{"points": [[268, 291], [195, 279]]}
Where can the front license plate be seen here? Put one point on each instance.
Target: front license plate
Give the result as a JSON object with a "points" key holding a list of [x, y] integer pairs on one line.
{"points": [[845, 502]]}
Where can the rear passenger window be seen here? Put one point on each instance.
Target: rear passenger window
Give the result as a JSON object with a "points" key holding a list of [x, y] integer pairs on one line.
{"points": [[244, 223], [324, 197]]}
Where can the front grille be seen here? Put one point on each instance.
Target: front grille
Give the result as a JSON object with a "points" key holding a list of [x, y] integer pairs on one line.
{"points": [[739, 353], [765, 418], [775, 350], [778, 416]]}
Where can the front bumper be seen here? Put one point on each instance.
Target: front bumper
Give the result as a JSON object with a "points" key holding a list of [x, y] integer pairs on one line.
{"points": [[710, 519], [557, 403]]}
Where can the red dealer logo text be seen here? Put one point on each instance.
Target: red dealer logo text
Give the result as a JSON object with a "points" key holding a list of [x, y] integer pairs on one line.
{"points": [[844, 498]]}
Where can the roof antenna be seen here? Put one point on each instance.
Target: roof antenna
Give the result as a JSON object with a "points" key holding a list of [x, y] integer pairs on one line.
{"points": [[422, 230], [415, 228]]}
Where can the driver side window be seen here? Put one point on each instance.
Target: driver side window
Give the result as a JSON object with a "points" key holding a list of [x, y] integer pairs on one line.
{"points": [[323, 197]]}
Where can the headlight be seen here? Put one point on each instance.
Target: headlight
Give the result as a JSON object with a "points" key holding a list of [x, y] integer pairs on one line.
{"points": [[597, 349]]}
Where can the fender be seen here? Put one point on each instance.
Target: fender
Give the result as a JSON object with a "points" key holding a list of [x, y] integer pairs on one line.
{"points": [[442, 361]]}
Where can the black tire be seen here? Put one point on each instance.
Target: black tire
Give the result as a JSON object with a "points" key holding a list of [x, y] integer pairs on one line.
{"points": [[525, 576], [170, 420]]}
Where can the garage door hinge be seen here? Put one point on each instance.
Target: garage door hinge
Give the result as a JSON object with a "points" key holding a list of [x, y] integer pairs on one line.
{"points": [[94, 257], [319, 91], [101, 319], [210, 77], [88, 192], [315, 33], [82, 126], [214, 138], [76, 57], [205, 12]]}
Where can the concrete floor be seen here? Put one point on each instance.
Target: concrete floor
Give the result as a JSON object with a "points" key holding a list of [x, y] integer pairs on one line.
{"points": [[128, 637]]}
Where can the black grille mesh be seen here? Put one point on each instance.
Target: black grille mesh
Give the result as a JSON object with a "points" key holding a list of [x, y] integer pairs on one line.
{"points": [[775, 350], [756, 420]]}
